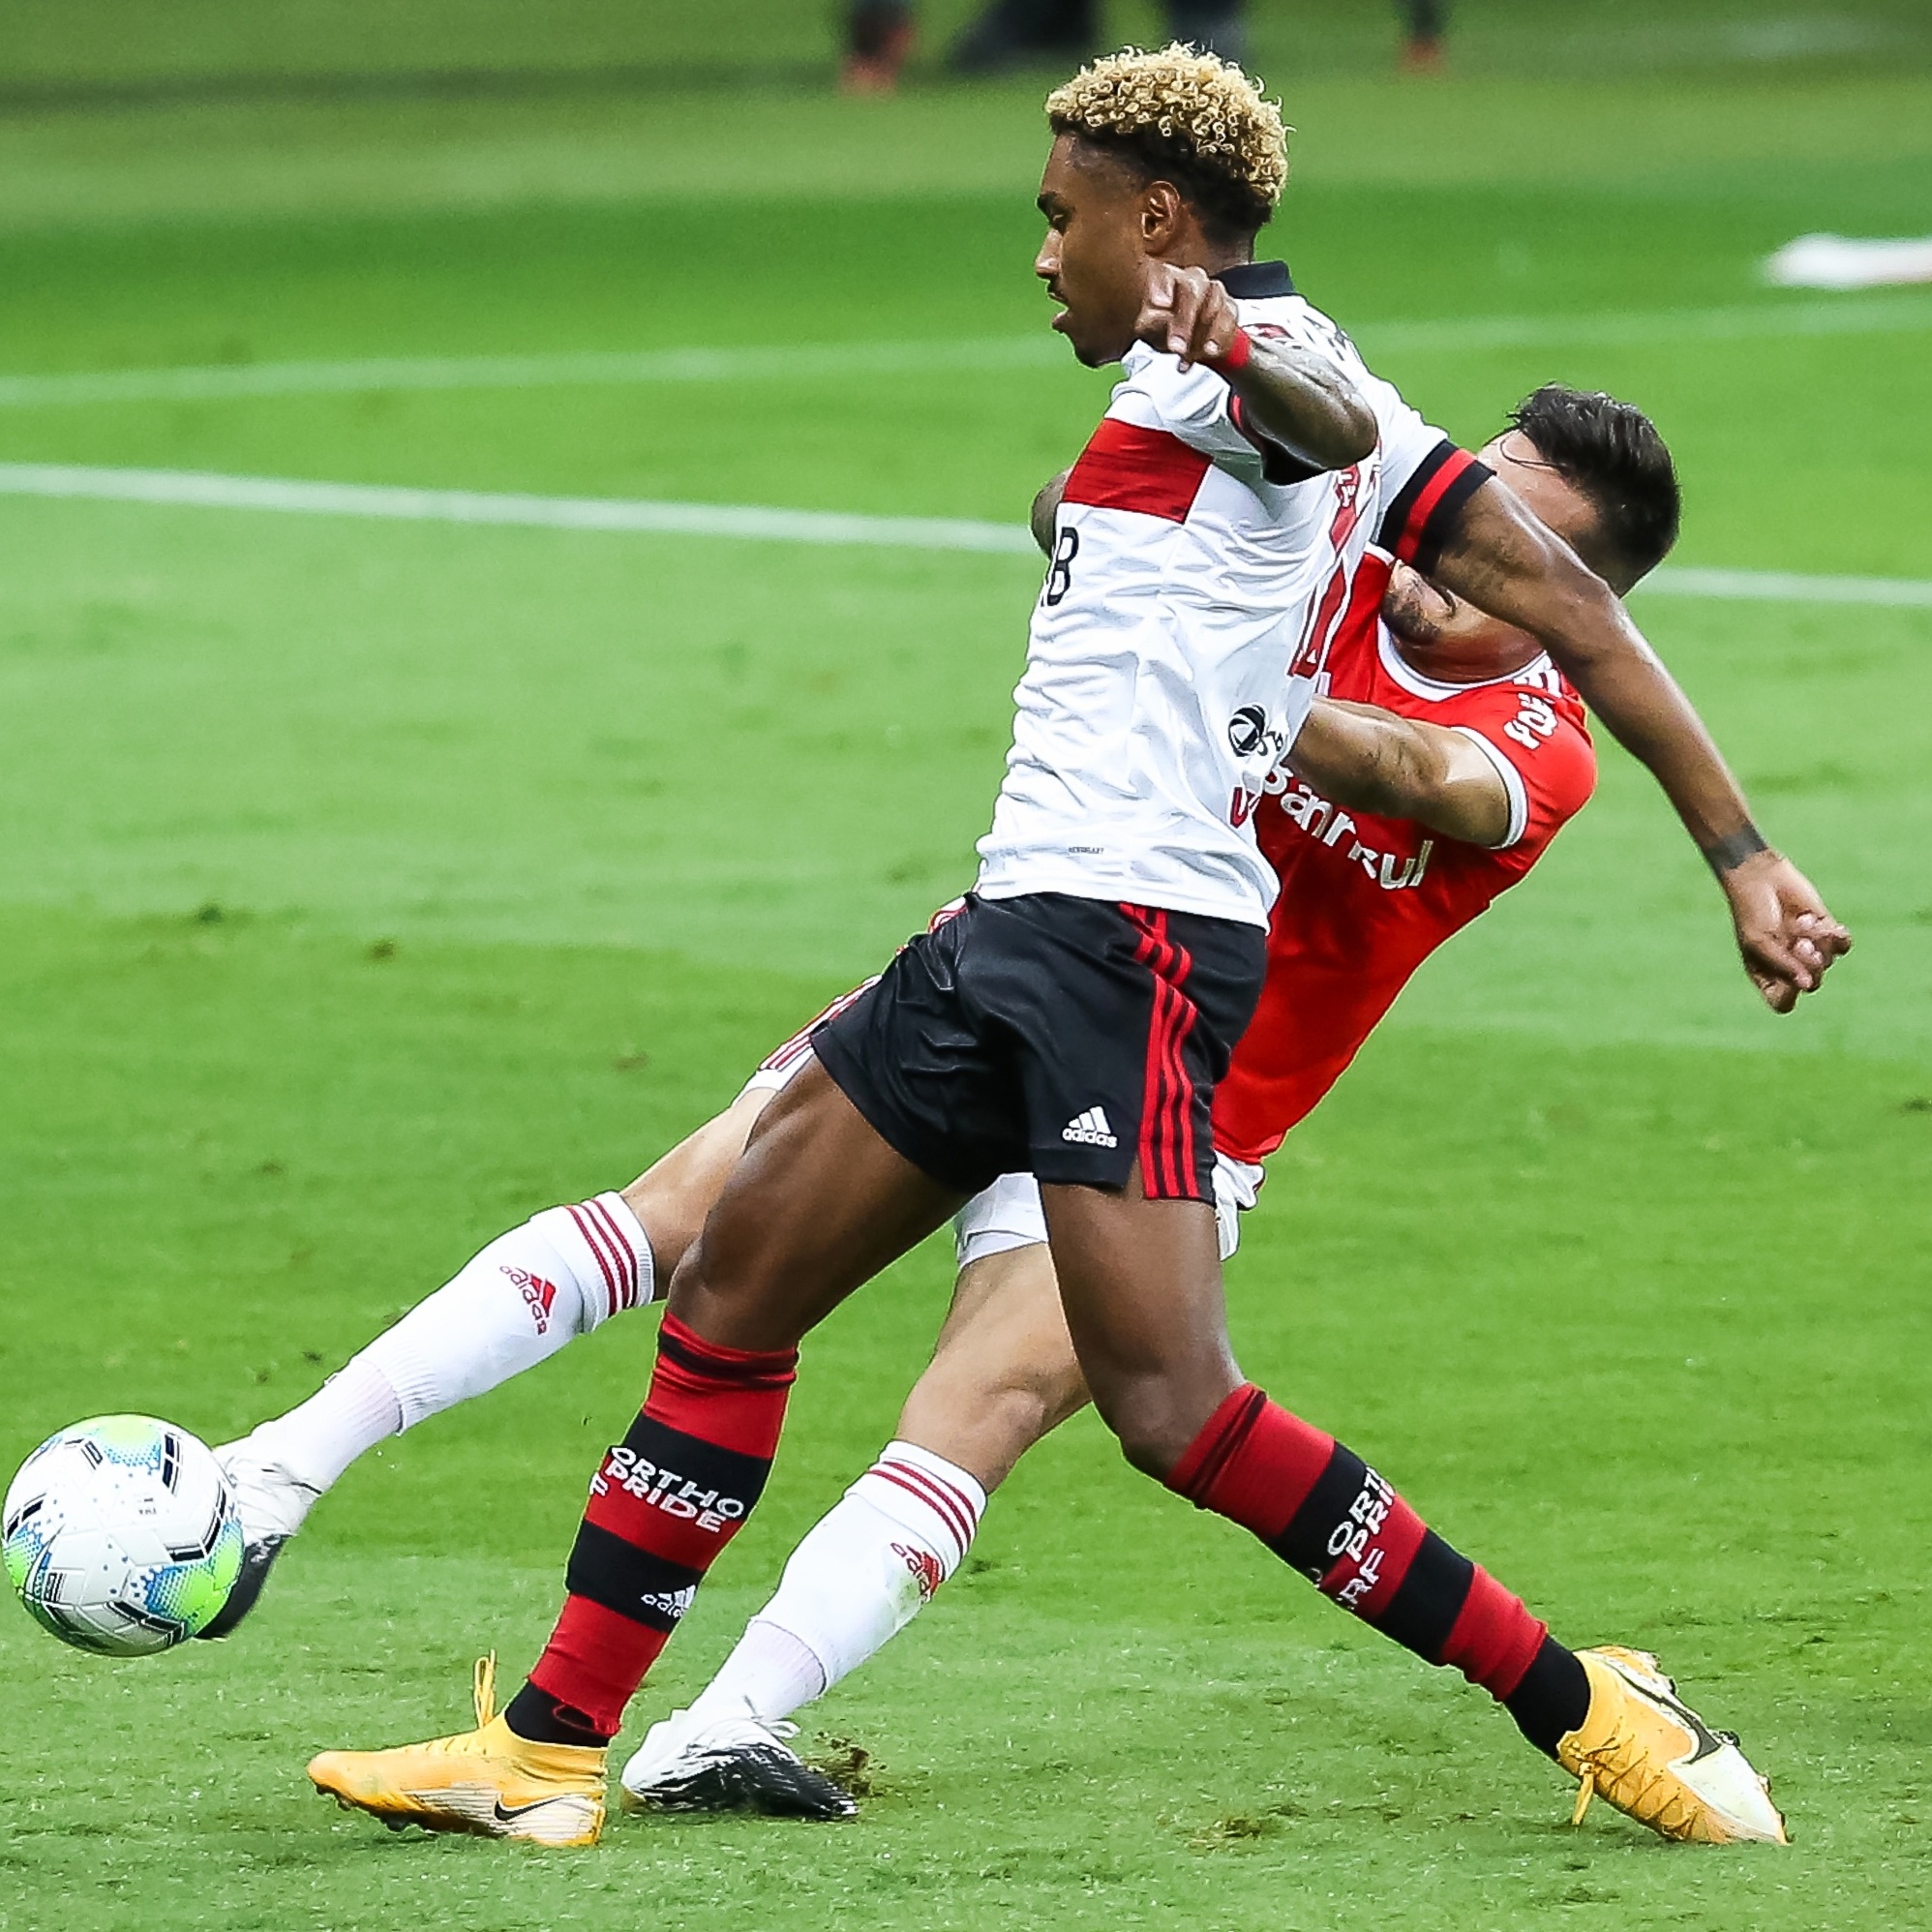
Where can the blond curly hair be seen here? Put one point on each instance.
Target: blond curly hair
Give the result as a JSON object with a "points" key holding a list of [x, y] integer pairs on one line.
{"points": [[1192, 118]]}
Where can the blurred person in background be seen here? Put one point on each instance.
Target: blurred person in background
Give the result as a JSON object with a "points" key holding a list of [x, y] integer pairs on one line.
{"points": [[1424, 22], [1019, 32], [878, 39]]}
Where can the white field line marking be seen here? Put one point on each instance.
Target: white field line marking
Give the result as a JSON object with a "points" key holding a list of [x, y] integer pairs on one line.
{"points": [[787, 363], [471, 506], [991, 354], [1780, 587], [199, 490]]}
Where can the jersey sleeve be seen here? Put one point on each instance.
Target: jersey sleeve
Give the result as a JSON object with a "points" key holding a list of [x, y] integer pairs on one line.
{"points": [[1542, 753], [1425, 478], [1202, 409], [1195, 404]]}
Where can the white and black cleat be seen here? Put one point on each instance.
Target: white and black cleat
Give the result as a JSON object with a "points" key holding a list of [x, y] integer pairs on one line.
{"points": [[272, 1503], [736, 1763], [258, 1559]]}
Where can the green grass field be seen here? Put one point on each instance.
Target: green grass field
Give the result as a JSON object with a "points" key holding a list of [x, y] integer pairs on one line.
{"points": [[367, 886]]}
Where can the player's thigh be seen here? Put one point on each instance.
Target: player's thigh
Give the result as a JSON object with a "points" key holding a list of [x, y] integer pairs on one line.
{"points": [[817, 1204], [674, 1194], [1140, 1286], [1004, 1373]]}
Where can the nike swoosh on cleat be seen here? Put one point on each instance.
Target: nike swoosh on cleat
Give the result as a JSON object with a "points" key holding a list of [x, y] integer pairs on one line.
{"points": [[509, 1815], [1708, 1741]]}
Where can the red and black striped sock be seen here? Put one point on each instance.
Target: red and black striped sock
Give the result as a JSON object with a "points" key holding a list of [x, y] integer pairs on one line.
{"points": [[666, 1501], [1324, 1512]]}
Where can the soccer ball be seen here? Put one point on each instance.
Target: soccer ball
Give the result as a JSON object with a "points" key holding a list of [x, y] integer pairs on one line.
{"points": [[120, 1535]]}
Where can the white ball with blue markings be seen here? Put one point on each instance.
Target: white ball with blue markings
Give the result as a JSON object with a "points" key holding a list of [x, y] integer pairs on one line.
{"points": [[120, 1535]]}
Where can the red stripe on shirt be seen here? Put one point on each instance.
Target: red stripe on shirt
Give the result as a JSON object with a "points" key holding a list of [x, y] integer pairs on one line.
{"points": [[1127, 467]]}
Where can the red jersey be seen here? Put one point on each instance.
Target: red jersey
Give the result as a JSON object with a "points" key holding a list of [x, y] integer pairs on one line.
{"points": [[1365, 900]]}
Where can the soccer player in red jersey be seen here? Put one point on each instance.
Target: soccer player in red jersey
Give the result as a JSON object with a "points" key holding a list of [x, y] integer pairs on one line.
{"points": [[1107, 963]]}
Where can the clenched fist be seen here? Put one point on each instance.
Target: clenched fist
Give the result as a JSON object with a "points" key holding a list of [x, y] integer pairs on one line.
{"points": [[1186, 312]]}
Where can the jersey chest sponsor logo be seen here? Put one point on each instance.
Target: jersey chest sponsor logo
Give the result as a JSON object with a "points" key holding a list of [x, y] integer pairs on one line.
{"points": [[1332, 827], [1534, 722]]}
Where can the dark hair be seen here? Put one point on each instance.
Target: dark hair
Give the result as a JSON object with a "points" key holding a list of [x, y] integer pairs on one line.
{"points": [[1611, 452]]}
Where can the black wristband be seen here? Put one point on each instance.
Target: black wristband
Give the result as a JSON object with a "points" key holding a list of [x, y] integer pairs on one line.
{"points": [[1727, 854]]}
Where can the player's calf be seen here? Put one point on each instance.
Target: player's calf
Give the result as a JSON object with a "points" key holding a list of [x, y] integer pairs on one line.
{"points": [[1324, 1512], [664, 1504], [560, 1274]]}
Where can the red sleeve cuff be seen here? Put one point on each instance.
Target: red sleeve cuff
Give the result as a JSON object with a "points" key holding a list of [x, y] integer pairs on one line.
{"points": [[1426, 509]]}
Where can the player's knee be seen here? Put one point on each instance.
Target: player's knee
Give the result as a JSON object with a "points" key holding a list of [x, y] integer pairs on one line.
{"points": [[1147, 1437], [1154, 1421]]}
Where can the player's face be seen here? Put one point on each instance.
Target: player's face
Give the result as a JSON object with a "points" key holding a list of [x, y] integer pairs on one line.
{"points": [[1091, 257], [1560, 506], [1449, 638]]}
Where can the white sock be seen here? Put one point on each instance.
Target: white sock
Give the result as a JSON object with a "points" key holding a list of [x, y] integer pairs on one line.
{"points": [[862, 1573], [513, 1305], [354, 1411]]}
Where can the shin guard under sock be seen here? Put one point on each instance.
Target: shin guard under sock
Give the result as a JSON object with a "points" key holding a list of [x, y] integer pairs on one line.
{"points": [[1324, 1512], [666, 1501]]}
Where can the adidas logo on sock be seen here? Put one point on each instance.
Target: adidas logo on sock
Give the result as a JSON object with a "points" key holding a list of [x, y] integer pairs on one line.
{"points": [[1089, 1129]]}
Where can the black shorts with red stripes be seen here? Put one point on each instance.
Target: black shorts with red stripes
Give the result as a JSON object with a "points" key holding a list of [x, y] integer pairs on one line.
{"points": [[1062, 1036]]}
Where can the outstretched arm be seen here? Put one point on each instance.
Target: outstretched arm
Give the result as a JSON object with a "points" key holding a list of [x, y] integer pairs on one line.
{"points": [[1506, 563], [1402, 768]]}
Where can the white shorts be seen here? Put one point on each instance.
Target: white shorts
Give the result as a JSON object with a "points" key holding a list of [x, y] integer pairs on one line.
{"points": [[1008, 1215]]}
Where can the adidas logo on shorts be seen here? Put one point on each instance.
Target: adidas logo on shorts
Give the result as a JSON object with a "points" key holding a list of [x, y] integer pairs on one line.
{"points": [[1089, 1129]]}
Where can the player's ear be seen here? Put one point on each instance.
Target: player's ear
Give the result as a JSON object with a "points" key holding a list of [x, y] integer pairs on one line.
{"points": [[1161, 211]]}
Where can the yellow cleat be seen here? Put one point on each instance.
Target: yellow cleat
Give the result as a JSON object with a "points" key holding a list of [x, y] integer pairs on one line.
{"points": [[1657, 1761], [487, 1781]]}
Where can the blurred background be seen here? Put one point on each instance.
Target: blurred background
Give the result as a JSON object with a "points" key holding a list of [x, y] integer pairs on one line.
{"points": [[56, 52], [398, 194], [375, 869]]}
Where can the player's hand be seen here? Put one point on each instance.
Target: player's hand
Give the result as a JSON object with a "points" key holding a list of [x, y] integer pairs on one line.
{"points": [[1785, 934], [1186, 313]]}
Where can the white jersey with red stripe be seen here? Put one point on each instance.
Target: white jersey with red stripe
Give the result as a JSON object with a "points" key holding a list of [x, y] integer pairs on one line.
{"points": [[1177, 640]]}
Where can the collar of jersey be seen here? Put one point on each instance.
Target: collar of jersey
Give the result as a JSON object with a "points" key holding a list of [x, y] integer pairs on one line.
{"points": [[1418, 686], [1256, 281]]}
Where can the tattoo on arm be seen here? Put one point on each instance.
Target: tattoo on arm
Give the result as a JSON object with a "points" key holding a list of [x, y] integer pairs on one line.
{"points": [[1726, 854], [1304, 404]]}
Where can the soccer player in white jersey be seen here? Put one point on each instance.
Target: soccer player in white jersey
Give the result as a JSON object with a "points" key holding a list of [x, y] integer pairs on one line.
{"points": [[1073, 1018], [1500, 760], [1394, 828]]}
